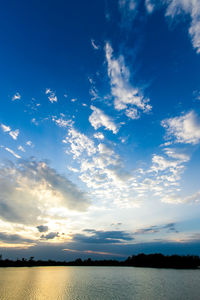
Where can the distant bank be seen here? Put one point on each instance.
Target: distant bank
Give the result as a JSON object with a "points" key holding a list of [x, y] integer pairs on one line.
{"points": [[141, 260]]}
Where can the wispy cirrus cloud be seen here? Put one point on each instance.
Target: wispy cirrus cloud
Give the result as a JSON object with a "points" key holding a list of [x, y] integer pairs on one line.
{"points": [[174, 9], [190, 7], [126, 97], [89, 252], [12, 152], [94, 44]]}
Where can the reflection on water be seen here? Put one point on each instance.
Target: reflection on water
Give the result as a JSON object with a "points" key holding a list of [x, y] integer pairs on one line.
{"points": [[98, 283]]}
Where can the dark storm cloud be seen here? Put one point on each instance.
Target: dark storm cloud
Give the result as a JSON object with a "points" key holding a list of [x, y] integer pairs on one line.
{"points": [[170, 227], [42, 228], [119, 236], [103, 237], [50, 235], [13, 238]]}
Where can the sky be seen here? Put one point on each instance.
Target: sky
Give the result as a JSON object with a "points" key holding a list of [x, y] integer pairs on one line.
{"points": [[99, 128]]}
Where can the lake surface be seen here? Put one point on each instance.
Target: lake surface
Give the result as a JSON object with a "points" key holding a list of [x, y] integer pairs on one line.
{"points": [[98, 283]]}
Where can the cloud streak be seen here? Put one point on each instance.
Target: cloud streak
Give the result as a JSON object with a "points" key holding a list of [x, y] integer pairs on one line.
{"points": [[103, 237], [126, 97]]}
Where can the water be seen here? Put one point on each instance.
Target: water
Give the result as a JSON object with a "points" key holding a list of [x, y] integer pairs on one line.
{"points": [[98, 283]]}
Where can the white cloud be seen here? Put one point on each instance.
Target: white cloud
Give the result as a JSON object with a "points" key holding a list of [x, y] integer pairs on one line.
{"points": [[149, 6], [103, 149], [173, 161], [94, 45], [99, 136], [79, 143], [31, 190], [51, 95], [94, 93], [183, 129], [29, 143], [132, 113], [98, 119], [105, 176], [176, 199], [13, 133], [33, 120], [194, 31], [182, 157], [191, 7], [21, 148], [93, 90], [162, 178], [103, 172], [101, 169], [5, 128], [160, 163], [74, 170], [17, 96], [12, 152], [62, 123], [193, 198], [175, 8], [125, 96]]}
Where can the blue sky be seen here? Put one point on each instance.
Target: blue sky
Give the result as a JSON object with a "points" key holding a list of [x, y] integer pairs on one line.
{"points": [[99, 128]]}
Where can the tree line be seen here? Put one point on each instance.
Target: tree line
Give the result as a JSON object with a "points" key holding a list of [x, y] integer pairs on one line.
{"points": [[157, 260]]}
